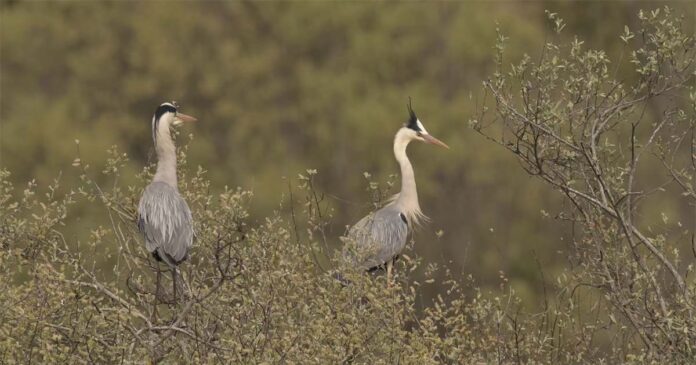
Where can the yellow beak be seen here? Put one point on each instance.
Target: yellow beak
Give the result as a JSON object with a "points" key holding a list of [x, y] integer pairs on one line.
{"points": [[432, 140], [185, 118]]}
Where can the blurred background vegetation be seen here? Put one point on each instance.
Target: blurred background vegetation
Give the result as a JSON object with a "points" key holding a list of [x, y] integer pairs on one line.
{"points": [[284, 87]]}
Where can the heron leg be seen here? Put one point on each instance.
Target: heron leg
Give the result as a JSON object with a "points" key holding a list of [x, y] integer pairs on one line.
{"points": [[174, 282], [390, 265], [157, 293]]}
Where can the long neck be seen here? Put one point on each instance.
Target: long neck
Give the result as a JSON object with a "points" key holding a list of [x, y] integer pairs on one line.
{"points": [[166, 155], [408, 197]]}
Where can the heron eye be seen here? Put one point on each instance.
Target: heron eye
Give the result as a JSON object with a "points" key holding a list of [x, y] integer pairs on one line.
{"points": [[419, 134]]}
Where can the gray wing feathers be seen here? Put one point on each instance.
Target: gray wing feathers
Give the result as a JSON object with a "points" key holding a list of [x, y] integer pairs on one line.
{"points": [[379, 237], [165, 220]]}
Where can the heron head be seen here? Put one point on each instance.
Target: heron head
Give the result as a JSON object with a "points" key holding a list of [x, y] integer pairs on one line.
{"points": [[416, 131], [167, 114]]}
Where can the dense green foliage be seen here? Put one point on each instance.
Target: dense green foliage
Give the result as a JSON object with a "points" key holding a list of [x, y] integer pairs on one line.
{"points": [[283, 87]]}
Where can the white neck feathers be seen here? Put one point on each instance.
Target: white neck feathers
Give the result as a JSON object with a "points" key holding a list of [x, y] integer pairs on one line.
{"points": [[166, 154], [407, 199]]}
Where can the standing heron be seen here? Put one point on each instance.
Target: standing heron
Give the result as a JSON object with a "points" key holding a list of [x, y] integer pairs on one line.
{"points": [[377, 239], [164, 218]]}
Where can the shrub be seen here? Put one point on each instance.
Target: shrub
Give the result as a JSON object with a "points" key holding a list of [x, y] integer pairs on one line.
{"points": [[617, 151], [255, 293]]}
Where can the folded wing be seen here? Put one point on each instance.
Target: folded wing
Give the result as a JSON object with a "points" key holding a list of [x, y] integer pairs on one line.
{"points": [[164, 219]]}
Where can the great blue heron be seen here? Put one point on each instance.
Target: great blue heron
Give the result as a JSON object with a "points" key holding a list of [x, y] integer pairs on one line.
{"points": [[164, 218], [377, 239]]}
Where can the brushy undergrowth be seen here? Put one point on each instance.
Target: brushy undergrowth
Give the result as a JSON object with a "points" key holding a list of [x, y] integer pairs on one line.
{"points": [[255, 293]]}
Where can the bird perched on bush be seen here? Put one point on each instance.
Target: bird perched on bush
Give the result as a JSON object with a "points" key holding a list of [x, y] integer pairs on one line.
{"points": [[164, 218], [377, 239]]}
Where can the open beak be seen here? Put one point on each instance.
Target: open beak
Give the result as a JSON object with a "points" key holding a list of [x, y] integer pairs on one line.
{"points": [[181, 117], [432, 140]]}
